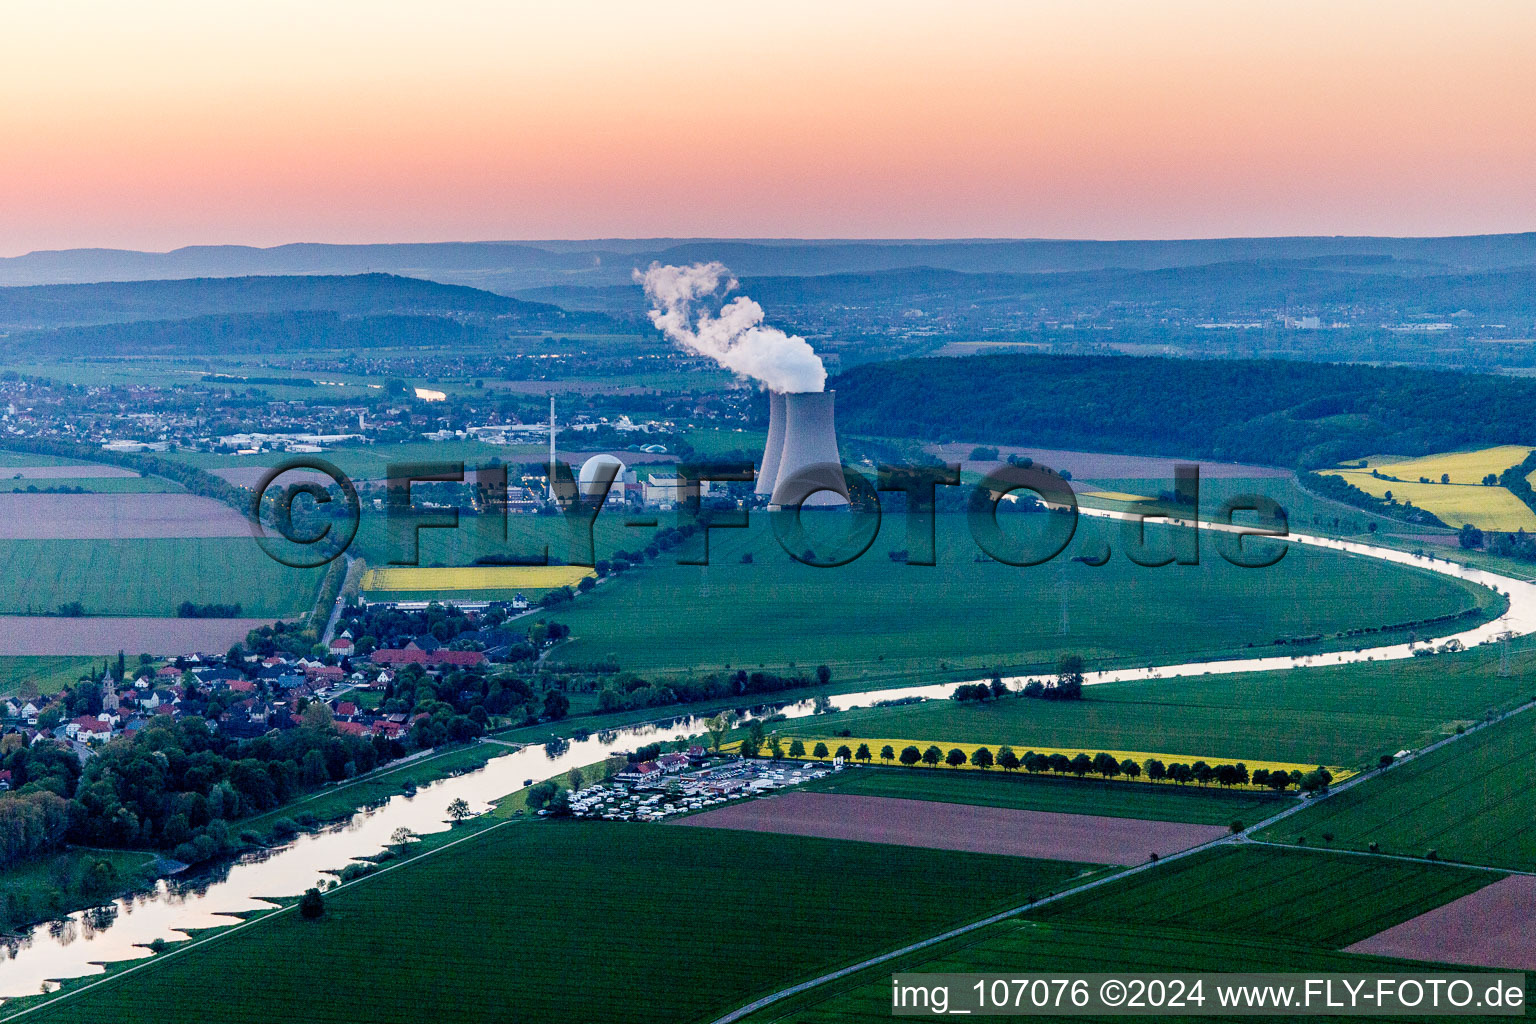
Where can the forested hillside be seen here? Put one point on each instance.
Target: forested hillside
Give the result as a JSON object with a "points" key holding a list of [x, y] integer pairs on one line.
{"points": [[60, 305], [1275, 412]]}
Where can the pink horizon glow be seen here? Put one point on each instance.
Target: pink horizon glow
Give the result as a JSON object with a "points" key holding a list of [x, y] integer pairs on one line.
{"points": [[162, 124]]}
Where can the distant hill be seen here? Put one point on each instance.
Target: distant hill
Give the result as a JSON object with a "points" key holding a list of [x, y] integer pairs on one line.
{"points": [[507, 267], [1217, 289], [1390, 287], [61, 305], [1273, 412]]}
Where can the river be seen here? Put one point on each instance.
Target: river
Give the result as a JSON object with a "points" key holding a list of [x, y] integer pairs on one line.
{"points": [[80, 944]]}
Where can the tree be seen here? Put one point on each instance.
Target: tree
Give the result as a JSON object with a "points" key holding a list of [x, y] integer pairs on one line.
{"points": [[862, 753], [1202, 772], [556, 705], [575, 779], [776, 746], [796, 748], [311, 905], [1156, 770], [401, 836], [1130, 769], [888, 754], [997, 686], [932, 756], [910, 755], [981, 757], [539, 795], [1007, 760], [1106, 765], [955, 758], [1082, 764], [845, 753], [718, 726], [823, 675], [1069, 679], [458, 810], [317, 717], [820, 750], [1316, 781]]}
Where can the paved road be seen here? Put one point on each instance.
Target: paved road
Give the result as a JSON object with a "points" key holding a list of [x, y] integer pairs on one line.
{"points": [[330, 625], [1245, 837]]}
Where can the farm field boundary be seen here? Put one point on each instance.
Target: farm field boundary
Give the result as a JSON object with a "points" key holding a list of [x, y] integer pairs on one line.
{"points": [[1139, 756], [972, 828]]}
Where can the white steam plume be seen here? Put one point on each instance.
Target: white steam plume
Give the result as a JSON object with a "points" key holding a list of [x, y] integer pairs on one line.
{"points": [[735, 337]]}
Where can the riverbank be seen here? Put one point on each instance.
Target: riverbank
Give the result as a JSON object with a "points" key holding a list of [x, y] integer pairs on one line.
{"points": [[247, 885]]}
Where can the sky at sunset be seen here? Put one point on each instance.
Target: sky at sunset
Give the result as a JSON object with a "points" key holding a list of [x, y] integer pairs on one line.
{"points": [[152, 125]]}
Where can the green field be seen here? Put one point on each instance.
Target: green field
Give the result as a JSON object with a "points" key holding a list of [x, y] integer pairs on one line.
{"points": [[1301, 896], [885, 622], [1234, 909], [8, 458], [150, 577], [1069, 947], [1469, 801], [573, 922], [94, 484], [1343, 715], [1073, 796], [26, 676]]}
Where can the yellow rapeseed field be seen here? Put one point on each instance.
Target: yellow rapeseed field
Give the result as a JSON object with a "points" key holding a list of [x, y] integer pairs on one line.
{"points": [[476, 577], [1463, 467], [1139, 756], [1115, 496], [1463, 500]]}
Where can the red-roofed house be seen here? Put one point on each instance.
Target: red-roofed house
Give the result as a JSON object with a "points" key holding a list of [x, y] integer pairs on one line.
{"points": [[346, 709], [343, 647], [88, 727], [352, 728]]}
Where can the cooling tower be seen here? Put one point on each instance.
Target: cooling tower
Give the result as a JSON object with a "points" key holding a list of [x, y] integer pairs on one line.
{"points": [[775, 446], [810, 454]]}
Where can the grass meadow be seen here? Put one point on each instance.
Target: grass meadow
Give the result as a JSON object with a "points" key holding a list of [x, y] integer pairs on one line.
{"points": [[1201, 806], [574, 922], [1468, 801], [888, 623]]}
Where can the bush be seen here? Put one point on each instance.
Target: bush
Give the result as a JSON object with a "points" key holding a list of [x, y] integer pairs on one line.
{"points": [[1236, 827], [311, 905]]}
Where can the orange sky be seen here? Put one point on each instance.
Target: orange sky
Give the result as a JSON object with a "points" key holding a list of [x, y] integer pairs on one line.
{"points": [[154, 124]]}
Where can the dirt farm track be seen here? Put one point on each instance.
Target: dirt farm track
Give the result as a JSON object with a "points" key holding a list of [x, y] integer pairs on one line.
{"points": [[48, 635], [1044, 835]]}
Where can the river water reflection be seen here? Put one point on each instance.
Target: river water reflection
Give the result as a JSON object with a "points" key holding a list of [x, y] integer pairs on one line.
{"points": [[79, 944]]}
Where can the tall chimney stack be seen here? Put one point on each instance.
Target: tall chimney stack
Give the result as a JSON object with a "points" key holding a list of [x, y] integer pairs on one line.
{"points": [[810, 457], [769, 474]]}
